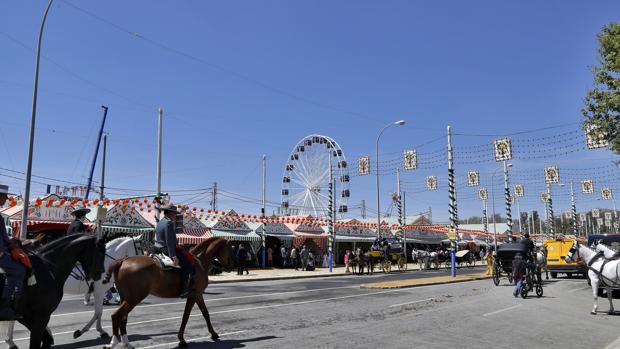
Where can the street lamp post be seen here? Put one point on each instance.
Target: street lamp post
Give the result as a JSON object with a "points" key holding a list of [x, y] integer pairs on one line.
{"points": [[398, 123], [24, 226], [493, 202]]}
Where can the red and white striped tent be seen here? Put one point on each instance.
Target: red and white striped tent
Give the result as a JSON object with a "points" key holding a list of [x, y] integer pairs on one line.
{"points": [[194, 231]]}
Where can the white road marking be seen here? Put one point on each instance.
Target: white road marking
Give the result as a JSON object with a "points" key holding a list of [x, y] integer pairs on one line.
{"points": [[502, 310], [243, 309], [613, 345], [211, 300], [173, 344], [580, 289], [414, 302]]}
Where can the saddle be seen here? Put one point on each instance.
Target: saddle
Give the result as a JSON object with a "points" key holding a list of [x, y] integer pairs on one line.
{"points": [[165, 262]]}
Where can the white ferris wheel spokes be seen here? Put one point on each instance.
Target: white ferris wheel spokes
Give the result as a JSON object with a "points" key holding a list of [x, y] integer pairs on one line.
{"points": [[305, 184]]}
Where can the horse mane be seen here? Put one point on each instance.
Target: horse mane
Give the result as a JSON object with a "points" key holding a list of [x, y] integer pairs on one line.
{"points": [[115, 240], [54, 245], [201, 247]]}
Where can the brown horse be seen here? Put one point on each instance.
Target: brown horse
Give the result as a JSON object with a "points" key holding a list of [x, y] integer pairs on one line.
{"points": [[137, 277]]}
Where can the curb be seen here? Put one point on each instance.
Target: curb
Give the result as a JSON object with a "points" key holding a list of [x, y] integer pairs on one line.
{"points": [[294, 277], [473, 278]]}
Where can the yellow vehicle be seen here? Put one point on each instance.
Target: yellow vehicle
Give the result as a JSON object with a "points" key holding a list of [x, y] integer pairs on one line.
{"points": [[557, 249]]}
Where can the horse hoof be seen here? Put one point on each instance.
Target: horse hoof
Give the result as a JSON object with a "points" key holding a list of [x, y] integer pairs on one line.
{"points": [[77, 334], [104, 335], [182, 344], [592, 313], [215, 336], [14, 347], [611, 312]]}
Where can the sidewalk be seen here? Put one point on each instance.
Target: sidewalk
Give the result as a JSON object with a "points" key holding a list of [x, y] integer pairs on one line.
{"points": [[436, 280], [284, 274]]}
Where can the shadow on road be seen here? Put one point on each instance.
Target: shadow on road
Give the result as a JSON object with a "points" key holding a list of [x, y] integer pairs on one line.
{"points": [[228, 343], [98, 342]]}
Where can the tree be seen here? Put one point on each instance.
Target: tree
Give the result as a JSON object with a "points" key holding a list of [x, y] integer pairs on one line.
{"points": [[602, 102]]}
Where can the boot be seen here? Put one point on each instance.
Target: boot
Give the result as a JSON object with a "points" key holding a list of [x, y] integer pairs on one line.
{"points": [[187, 285]]}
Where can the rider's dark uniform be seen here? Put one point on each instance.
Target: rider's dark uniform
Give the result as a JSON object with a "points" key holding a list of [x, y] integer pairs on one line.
{"points": [[15, 271], [529, 244], [166, 243]]}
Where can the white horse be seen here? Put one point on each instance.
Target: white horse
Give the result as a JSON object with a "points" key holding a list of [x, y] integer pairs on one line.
{"points": [[115, 249], [599, 270], [608, 252], [426, 259]]}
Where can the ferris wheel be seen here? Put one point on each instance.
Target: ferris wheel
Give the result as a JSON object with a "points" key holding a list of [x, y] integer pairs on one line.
{"points": [[305, 184]]}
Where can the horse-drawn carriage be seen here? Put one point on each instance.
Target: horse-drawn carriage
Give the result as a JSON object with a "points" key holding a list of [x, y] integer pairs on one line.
{"points": [[388, 255], [503, 265], [465, 257]]}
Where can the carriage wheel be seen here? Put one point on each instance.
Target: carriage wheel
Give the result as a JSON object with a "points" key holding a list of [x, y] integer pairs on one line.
{"points": [[524, 291], [387, 266], [496, 276], [539, 290]]}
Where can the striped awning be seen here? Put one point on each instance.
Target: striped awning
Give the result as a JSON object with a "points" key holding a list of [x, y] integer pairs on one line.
{"points": [[193, 236], [233, 236], [353, 238], [125, 230]]}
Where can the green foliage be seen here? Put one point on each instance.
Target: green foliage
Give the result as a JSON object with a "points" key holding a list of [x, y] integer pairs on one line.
{"points": [[602, 102]]}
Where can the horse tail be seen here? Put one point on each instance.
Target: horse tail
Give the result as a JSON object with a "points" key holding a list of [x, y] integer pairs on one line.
{"points": [[113, 270]]}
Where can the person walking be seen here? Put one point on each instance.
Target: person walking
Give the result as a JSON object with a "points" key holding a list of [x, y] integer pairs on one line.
{"points": [[284, 256], [518, 272], [489, 259], [269, 256], [242, 257], [294, 257], [304, 257]]}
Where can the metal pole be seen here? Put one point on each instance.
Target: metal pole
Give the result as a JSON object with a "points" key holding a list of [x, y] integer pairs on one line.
{"points": [[399, 202], [405, 224], [160, 125], [615, 216], [573, 209], [24, 226], [263, 208], [330, 212], [519, 214], [103, 155], [92, 167], [551, 218], [452, 208], [485, 220], [493, 207], [507, 199], [102, 187]]}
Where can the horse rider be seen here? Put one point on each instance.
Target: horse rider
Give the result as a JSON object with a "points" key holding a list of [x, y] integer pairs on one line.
{"points": [[166, 243], [77, 226], [529, 244], [14, 271]]}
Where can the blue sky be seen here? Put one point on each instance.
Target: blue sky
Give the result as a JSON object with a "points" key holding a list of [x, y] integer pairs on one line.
{"points": [[239, 79]]}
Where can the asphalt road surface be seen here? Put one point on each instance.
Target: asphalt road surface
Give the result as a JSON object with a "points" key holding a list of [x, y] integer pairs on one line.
{"points": [[335, 313]]}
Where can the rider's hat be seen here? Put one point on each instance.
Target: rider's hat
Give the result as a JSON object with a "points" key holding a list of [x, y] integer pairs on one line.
{"points": [[80, 211], [169, 208], [4, 189]]}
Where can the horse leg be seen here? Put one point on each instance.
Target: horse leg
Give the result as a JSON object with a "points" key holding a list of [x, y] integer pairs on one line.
{"points": [[610, 297], [123, 327], [9, 335], [205, 313], [37, 330], [189, 304], [594, 283], [117, 319]]}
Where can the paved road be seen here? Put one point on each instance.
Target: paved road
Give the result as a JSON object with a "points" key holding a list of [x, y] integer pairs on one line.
{"points": [[336, 313]]}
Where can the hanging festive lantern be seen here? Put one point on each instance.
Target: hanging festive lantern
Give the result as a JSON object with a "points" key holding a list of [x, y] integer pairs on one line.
{"points": [[96, 202]]}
